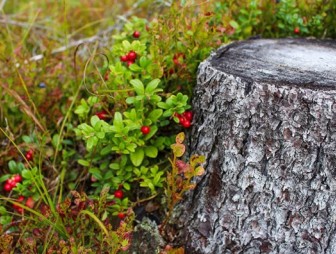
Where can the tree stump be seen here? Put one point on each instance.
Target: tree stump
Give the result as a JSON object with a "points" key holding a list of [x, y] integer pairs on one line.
{"points": [[265, 120]]}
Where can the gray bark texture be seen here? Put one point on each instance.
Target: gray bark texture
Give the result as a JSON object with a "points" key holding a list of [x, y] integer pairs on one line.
{"points": [[265, 118]]}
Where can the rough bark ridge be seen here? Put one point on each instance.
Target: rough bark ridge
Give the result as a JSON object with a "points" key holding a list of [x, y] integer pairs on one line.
{"points": [[270, 142]]}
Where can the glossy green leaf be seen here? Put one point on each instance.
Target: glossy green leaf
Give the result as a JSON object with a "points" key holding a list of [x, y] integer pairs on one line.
{"points": [[84, 163], [138, 86], [137, 156], [151, 151], [151, 86], [155, 114]]}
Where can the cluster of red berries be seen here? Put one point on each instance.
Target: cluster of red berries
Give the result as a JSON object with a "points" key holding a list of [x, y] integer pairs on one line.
{"points": [[102, 115], [29, 155], [12, 182], [129, 58], [185, 118], [145, 129], [29, 203]]}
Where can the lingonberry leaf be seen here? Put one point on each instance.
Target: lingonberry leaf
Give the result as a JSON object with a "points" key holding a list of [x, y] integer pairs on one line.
{"points": [[199, 171], [137, 156], [155, 114], [138, 86], [196, 159], [151, 151], [83, 163], [180, 138], [151, 86], [94, 120], [178, 149]]}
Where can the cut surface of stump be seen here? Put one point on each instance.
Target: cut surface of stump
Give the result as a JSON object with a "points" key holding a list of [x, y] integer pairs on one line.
{"points": [[265, 118]]}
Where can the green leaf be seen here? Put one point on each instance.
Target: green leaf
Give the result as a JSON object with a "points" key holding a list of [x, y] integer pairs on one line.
{"points": [[84, 163], [127, 186], [151, 86], [126, 45], [92, 100], [157, 179], [118, 122], [26, 174], [135, 68], [106, 150], [138, 86], [137, 157], [96, 173], [163, 105], [130, 100], [114, 166], [143, 62], [144, 170], [4, 177], [155, 114], [91, 142], [26, 139], [151, 151], [94, 120], [137, 172], [234, 24], [12, 166], [3, 210], [152, 132]]}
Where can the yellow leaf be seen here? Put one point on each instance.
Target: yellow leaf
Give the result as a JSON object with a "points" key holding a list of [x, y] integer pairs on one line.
{"points": [[180, 138], [199, 171]]}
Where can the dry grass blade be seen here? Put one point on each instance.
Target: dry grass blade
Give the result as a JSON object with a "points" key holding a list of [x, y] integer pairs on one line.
{"points": [[23, 106]]}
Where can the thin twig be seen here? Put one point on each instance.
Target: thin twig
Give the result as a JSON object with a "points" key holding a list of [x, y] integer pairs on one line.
{"points": [[19, 23]]}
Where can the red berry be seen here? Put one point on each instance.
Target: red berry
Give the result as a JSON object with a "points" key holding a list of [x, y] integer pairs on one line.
{"points": [[145, 130], [17, 178], [30, 202], [186, 124], [29, 155], [124, 58], [18, 208], [188, 115], [8, 187], [119, 194], [296, 30], [11, 182], [106, 76], [182, 119], [136, 34], [20, 198], [129, 63], [121, 216], [102, 115], [176, 61], [132, 56]]}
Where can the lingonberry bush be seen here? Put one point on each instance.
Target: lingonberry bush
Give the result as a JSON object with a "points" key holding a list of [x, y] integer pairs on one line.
{"points": [[87, 132]]}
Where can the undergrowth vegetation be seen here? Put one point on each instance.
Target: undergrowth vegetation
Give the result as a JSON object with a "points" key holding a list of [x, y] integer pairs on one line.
{"points": [[95, 97]]}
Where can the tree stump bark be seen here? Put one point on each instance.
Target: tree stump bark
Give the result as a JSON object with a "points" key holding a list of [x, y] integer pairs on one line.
{"points": [[265, 120]]}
